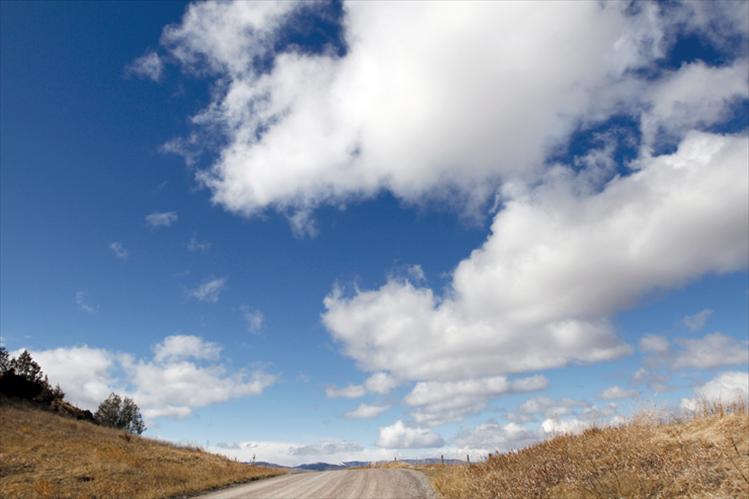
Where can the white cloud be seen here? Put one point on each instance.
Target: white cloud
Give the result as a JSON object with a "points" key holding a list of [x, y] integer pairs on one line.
{"points": [[714, 350], [547, 407], [167, 385], [209, 290], [318, 128], [181, 346], [83, 304], [697, 321], [400, 436], [176, 387], [325, 448], [295, 453], [119, 250], [434, 391], [254, 318], [722, 22], [82, 372], [726, 388], [616, 392], [380, 383], [366, 411], [571, 426], [537, 294], [161, 219], [440, 402], [148, 66], [225, 37], [654, 343], [496, 437], [695, 96], [349, 392], [416, 273], [195, 245]]}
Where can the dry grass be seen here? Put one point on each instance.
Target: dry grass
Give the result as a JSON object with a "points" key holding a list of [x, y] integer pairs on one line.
{"points": [[707, 456], [46, 455]]}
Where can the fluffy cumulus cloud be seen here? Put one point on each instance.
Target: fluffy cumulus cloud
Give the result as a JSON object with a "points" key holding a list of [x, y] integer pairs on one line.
{"points": [[184, 373], [695, 96], [439, 402], [708, 352], [714, 350], [84, 373], [301, 128], [500, 437], [726, 388], [400, 436], [571, 426], [380, 383], [537, 294], [317, 128], [175, 388]]}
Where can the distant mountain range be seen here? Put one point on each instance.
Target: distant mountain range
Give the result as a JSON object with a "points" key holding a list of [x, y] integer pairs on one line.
{"points": [[354, 464]]}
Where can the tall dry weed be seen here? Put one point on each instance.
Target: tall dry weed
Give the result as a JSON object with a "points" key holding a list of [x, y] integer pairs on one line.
{"points": [[707, 456], [46, 455]]}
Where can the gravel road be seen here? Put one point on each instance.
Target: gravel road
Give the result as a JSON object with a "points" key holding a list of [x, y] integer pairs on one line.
{"points": [[344, 484]]}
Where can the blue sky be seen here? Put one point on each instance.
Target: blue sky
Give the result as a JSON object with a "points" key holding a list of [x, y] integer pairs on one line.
{"points": [[478, 222]]}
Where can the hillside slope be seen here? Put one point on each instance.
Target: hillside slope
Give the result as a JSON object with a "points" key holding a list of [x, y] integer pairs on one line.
{"points": [[43, 454], [707, 456]]}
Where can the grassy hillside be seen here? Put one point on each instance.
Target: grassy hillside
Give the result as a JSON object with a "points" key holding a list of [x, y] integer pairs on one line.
{"points": [[43, 454], [707, 456]]}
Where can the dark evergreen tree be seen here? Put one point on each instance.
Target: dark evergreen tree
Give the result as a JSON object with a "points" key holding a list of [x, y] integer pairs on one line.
{"points": [[120, 413], [26, 367], [4, 360]]}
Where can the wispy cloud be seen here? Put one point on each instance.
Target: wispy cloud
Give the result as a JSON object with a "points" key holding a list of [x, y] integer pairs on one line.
{"points": [[161, 219], [195, 245], [254, 318], [119, 250], [616, 392], [349, 392], [83, 304], [366, 411], [148, 66], [209, 290], [697, 321]]}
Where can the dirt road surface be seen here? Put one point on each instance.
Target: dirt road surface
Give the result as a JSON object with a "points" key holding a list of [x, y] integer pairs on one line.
{"points": [[344, 484]]}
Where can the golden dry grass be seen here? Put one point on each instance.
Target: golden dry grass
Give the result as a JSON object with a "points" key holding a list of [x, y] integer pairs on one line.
{"points": [[46, 455], [707, 456]]}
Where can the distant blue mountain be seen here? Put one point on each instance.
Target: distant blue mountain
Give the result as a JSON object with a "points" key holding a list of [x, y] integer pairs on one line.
{"points": [[355, 464]]}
